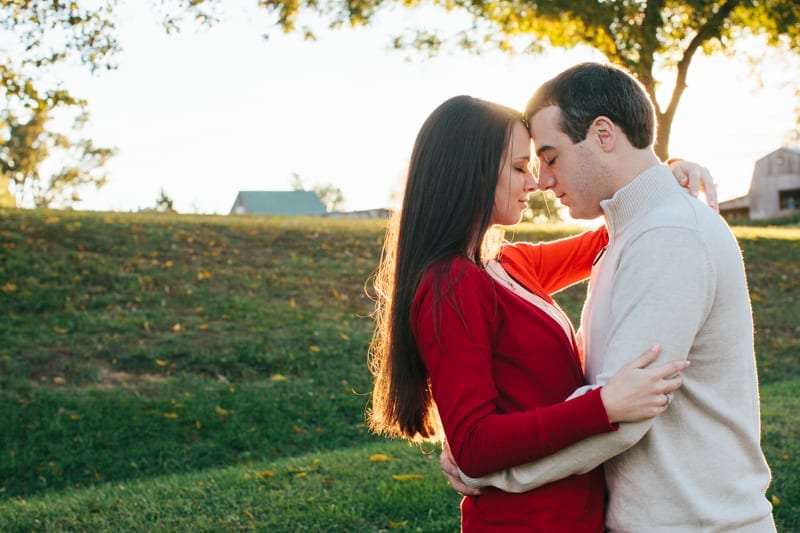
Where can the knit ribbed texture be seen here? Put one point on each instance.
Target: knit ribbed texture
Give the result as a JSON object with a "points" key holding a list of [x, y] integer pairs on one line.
{"points": [[672, 274]]}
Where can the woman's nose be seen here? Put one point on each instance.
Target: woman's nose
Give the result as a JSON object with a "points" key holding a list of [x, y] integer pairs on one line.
{"points": [[531, 184]]}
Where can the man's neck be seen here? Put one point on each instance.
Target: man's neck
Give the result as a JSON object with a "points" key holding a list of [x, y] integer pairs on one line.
{"points": [[633, 163]]}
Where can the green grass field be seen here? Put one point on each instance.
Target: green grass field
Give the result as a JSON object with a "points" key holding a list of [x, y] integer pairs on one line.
{"points": [[209, 373]]}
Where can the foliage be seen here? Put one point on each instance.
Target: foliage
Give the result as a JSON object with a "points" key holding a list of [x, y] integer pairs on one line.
{"points": [[27, 144], [792, 219], [543, 206], [165, 372], [655, 40], [164, 204], [649, 39], [38, 36], [330, 195]]}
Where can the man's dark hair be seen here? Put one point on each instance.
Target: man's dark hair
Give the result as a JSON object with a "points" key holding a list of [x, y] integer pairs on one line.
{"points": [[589, 90]]}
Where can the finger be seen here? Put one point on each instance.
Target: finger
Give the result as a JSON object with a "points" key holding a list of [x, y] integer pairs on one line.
{"points": [[451, 478], [462, 487], [671, 369], [683, 178], [646, 358], [711, 194], [695, 177], [672, 384]]}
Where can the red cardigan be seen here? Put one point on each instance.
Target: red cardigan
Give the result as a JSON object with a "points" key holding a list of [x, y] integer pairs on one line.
{"points": [[500, 370]]}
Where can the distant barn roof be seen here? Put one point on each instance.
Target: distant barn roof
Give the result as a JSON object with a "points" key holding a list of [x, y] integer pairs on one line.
{"points": [[291, 203]]}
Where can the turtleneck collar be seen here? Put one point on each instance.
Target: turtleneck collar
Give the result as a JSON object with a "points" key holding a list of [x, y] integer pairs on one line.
{"points": [[637, 196]]}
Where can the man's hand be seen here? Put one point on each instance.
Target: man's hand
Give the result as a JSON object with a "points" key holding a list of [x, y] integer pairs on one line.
{"points": [[450, 471]]}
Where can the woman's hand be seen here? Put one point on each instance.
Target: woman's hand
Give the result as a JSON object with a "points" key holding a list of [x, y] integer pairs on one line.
{"points": [[637, 393], [450, 471], [695, 178]]}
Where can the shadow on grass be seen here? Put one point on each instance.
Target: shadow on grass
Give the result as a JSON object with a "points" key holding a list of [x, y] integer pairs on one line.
{"points": [[374, 487], [77, 438]]}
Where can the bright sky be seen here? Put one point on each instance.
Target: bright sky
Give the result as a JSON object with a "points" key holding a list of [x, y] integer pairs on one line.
{"points": [[206, 114]]}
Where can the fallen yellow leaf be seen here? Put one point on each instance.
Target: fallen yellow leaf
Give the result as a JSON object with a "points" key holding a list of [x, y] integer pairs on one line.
{"points": [[407, 477], [8, 287], [379, 458], [292, 303], [398, 525], [161, 362], [60, 331], [267, 473], [177, 328], [221, 412], [277, 377], [775, 500], [314, 348], [204, 274], [58, 380]]}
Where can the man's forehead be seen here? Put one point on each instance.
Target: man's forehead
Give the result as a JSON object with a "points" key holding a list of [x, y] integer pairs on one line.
{"points": [[545, 120], [545, 129]]}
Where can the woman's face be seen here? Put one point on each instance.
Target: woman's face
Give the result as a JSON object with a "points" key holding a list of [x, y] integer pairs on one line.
{"points": [[515, 181]]}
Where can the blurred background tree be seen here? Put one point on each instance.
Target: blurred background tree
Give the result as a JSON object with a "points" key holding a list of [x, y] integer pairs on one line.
{"points": [[656, 40], [27, 144], [329, 194], [164, 203], [543, 206], [35, 37]]}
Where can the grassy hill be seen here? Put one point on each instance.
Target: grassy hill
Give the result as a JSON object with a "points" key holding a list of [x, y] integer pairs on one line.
{"points": [[177, 372]]}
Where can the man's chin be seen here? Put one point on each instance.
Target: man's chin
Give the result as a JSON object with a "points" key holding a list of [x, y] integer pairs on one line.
{"points": [[577, 214], [583, 214]]}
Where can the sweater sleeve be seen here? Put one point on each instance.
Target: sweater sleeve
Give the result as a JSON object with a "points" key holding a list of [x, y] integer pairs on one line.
{"points": [[554, 265], [455, 339], [662, 293]]}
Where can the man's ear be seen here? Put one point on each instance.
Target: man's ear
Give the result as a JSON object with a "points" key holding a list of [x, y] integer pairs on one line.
{"points": [[605, 133]]}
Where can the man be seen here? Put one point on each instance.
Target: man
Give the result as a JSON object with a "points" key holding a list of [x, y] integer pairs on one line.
{"points": [[672, 273]]}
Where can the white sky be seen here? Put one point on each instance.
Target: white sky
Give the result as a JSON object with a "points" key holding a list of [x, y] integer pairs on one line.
{"points": [[206, 114]]}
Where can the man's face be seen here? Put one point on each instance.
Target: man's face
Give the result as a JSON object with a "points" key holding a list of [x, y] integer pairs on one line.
{"points": [[571, 170]]}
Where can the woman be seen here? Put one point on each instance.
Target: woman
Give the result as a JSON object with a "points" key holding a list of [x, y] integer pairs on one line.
{"points": [[462, 350]]}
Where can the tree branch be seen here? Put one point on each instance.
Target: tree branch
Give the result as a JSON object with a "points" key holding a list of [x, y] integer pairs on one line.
{"points": [[708, 31]]}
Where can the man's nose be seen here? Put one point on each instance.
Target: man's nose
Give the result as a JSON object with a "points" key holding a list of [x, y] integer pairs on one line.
{"points": [[546, 179]]}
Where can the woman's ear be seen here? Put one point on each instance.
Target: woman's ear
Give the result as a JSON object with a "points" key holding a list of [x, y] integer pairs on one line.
{"points": [[605, 133]]}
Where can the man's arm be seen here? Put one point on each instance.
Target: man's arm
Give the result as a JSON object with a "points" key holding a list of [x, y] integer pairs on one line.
{"points": [[662, 289]]}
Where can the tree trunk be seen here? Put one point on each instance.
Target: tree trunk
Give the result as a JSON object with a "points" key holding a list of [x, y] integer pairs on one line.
{"points": [[662, 135]]}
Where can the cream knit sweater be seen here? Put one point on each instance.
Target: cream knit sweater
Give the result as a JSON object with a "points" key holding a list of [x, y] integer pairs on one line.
{"points": [[672, 274]]}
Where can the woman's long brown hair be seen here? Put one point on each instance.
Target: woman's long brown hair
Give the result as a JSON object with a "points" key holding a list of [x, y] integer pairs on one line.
{"points": [[446, 212]]}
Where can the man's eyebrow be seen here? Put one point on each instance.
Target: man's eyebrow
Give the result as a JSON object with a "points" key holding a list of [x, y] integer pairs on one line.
{"points": [[544, 149]]}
